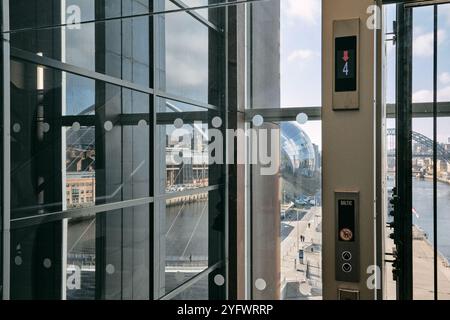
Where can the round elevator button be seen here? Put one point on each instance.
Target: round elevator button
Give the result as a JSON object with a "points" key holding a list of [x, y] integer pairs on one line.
{"points": [[346, 235], [347, 267], [346, 256]]}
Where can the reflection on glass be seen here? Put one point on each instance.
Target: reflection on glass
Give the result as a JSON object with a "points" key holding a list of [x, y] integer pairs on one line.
{"points": [[80, 167], [73, 11], [186, 238], [77, 142], [78, 42], [301, 214], [186, 56], [124, 269], [198, 291], [186, 160], [124, 48], [105, 115], [186, 164], [79, 95], [80, 267]]}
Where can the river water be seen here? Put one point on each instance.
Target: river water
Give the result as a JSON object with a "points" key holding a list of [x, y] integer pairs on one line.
{"points": [[423, 204]]}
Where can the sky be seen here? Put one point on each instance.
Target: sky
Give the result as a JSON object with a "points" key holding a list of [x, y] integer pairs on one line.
{"points": [[301, 53], [423, 65], [301, 65], [301, 61]]}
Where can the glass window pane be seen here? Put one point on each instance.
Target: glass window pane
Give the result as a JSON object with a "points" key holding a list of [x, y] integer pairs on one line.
{"points": [[118, 48], [390, 170], [193, 236], [187, 220], [99, 152], [297, 247], [300, 54], [443, 163], [81, 253], [106, 255], [78, 143], [198, 291], [186, 56], [301, 214], [80, 167], [423, 256], [72, 11], [187, 158]]}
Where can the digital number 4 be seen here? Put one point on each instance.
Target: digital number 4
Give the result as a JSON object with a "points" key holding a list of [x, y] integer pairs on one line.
{"points": [[345, 70]]}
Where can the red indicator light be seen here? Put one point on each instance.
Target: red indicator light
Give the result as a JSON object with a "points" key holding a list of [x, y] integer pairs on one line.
{"points": [[346, 56]]}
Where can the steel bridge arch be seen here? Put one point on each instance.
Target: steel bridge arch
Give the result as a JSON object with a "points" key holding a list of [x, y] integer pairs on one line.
{"points": [[442, 154]]}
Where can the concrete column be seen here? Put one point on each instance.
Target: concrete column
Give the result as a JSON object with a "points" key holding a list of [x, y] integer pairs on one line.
{"points": [[265, 193], [349, 144]]}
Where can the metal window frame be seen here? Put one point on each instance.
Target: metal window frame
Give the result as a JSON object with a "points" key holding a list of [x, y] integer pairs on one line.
{"points": [[415, 3], [125, 119], [65, 67], [404, 152], [6, 174], [435, 150], [405, 112], [181, 8], [192, 281], [274, 115], [284, 114], [196, 15], [422, 110]]}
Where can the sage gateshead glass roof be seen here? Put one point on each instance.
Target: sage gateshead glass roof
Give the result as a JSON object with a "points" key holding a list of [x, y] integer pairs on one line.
{"points": [[299, 156]]}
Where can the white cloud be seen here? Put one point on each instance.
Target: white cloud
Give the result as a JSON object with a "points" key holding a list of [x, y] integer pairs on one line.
{"points": [[444, 94], [423, 43], [427, 95], [445, 9], [302, 55], [422, 96], [306, 10], [444, 78]]}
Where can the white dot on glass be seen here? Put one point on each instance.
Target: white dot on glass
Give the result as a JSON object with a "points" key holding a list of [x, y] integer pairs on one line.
{"points": [[258, 120], [18, 260], [260, 284], [47, 263], [142, 123], [178, 123], [302, 118], [110, 269], [76, 126], [216, 122], [219, 280], [16, 127], [46, 127], [108, 125]]}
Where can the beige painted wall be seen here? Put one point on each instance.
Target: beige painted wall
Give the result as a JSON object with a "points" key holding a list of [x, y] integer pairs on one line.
{"points": [[348, 146]]}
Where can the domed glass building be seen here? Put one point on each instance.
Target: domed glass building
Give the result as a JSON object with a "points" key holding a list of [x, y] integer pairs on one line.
{"points": [[298, 157]]}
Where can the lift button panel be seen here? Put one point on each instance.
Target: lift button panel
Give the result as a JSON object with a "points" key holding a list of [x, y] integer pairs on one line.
{"points": [[347, 237]]}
